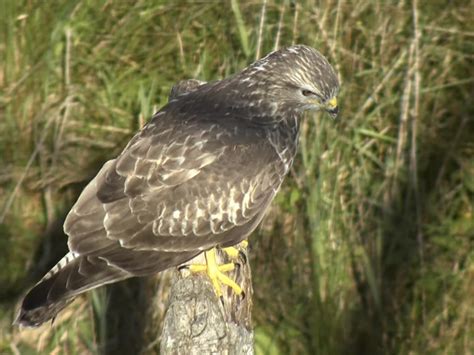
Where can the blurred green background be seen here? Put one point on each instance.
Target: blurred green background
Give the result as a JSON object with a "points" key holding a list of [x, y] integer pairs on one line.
{"points": [[368, 248]]}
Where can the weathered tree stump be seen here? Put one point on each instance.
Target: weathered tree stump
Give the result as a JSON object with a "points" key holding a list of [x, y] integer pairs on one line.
{"points": [[198, 322]]}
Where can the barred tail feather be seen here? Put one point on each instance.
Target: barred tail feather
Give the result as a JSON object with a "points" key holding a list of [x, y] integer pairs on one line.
{"points": [[71, 276]]}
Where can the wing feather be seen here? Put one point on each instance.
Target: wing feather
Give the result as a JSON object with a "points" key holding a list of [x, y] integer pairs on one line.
{"points": [[175, 190]]}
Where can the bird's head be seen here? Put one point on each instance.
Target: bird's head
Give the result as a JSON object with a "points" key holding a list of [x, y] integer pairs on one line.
{"points": [[298, 77]]}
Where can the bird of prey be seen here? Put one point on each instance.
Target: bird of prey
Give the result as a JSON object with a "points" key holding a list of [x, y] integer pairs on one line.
{"points": [[199, 175]]}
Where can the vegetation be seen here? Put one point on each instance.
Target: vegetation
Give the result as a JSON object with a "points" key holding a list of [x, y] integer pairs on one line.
{"points": [[369, 247]]}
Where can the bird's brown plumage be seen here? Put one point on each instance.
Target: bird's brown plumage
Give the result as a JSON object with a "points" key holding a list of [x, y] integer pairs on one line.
{"points": [[200, 174]]}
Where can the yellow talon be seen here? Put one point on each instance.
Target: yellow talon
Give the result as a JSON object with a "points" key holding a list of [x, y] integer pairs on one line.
{"points": [[215, 273], [197, 268], [234, 252]]}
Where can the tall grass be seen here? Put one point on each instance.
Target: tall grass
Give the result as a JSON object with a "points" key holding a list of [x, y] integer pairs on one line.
{"points": [[369, 245]]}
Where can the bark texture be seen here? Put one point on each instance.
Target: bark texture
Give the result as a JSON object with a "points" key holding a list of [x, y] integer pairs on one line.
{"points": [[198, 322]]}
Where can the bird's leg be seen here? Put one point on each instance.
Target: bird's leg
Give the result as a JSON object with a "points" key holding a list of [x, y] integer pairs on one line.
{"points": [[216, 274]]}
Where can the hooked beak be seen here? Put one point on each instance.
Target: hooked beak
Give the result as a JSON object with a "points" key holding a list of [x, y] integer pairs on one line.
{"points": [[331, 107]]}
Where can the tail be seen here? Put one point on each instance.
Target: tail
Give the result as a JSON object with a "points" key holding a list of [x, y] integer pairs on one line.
{"points": [[72, 275]]}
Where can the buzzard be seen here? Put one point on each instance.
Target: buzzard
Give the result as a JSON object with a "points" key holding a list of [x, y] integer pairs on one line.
{"points": [[199, 175]]}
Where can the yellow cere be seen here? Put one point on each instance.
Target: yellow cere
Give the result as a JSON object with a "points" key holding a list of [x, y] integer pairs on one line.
{"points": [[332, 103]]}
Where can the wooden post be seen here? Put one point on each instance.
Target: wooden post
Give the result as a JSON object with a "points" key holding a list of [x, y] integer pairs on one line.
{"points": [[198, 322]]}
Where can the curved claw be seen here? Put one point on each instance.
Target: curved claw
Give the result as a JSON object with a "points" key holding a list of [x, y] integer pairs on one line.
{"points": [[243, 257], [183, 267]]}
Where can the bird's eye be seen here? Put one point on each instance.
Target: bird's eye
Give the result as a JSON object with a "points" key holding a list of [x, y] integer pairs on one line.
{"points": [[307, 93]]}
